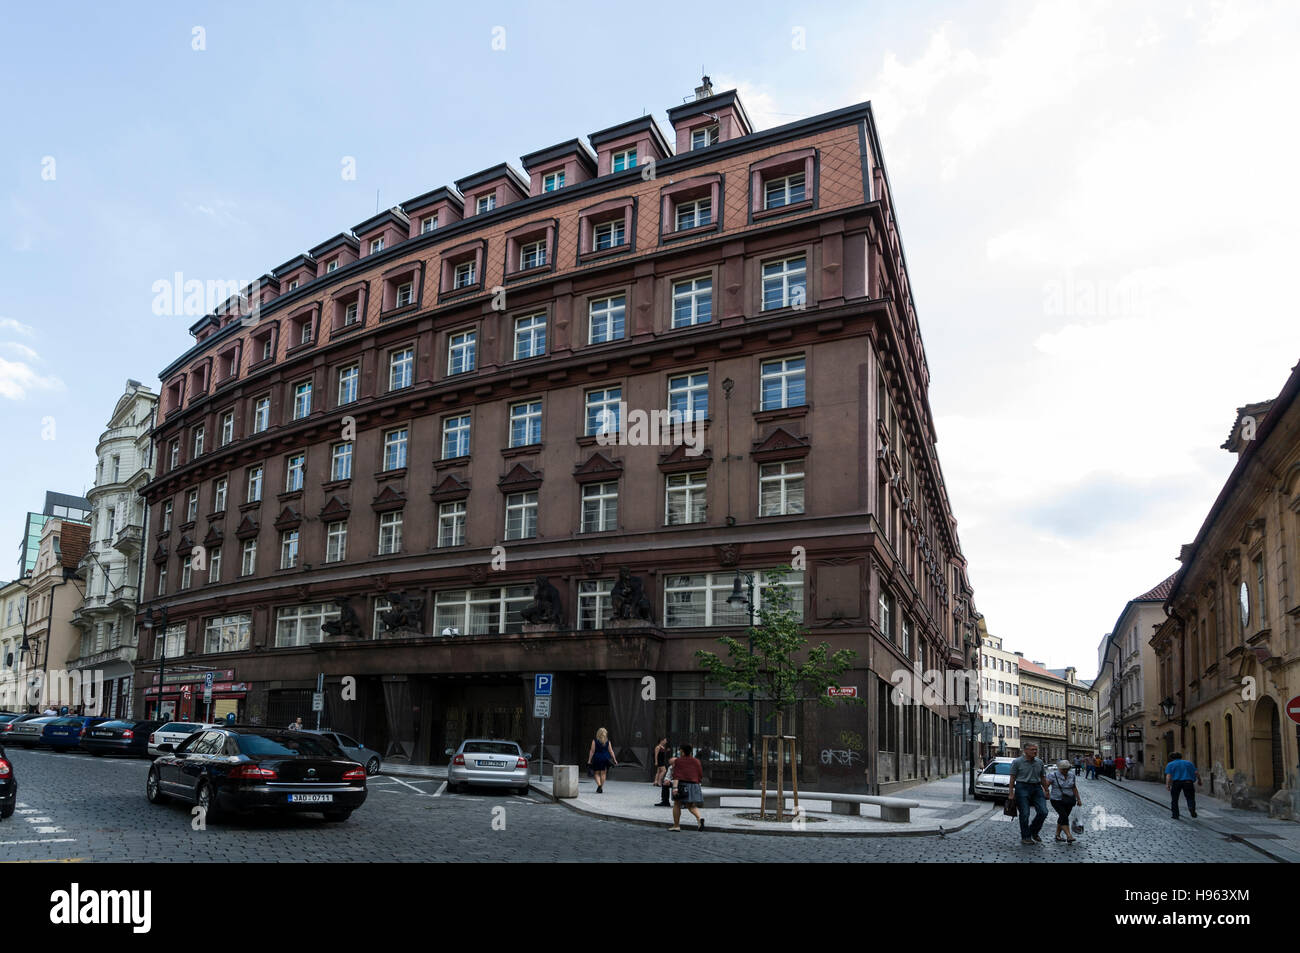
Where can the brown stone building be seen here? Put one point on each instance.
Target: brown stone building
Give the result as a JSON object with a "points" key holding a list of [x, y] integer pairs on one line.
{"points": [[693, 362]]}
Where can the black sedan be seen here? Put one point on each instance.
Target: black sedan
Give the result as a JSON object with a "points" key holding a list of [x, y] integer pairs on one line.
{"points": [[251, 768], [8, 786], [123, 736]]}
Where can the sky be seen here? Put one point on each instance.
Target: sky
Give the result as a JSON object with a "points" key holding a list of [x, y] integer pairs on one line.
{"points": [[1097, 203]]}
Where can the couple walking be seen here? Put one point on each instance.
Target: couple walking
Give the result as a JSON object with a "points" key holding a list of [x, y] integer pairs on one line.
{"points": [[1034, 783]]}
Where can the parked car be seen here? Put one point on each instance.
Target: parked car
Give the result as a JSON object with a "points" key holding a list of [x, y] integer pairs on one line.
{"points": [[64, 734], [122, 736], [251, 768], [493, 763], [354, 749], [8, 786], [173, 733], [994, 781], [9, 719], [28, 732]]}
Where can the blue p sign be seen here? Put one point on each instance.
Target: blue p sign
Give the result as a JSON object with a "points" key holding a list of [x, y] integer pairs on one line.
{"points": [[542, 684]]}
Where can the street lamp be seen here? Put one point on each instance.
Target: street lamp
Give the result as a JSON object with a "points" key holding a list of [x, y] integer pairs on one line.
{"points": [[972, 706], [150, 621], [738, 599], [1167, 706]]}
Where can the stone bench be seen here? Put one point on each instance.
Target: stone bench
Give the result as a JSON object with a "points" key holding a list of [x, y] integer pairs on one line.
{"points": [[895, 809]]}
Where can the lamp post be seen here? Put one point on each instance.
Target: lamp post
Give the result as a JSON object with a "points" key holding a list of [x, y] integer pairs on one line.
{"points": [[740, 599], [972, 706], [160, 621]]}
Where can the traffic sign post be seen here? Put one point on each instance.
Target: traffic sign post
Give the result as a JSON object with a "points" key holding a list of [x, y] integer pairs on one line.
{"points": [[542, 683], [318, 699], [207, 693]]}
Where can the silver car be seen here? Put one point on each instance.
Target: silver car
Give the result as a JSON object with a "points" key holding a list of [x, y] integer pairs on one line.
{"points": [[354, 749], [28, 733], [487, 762], [995, 780]]}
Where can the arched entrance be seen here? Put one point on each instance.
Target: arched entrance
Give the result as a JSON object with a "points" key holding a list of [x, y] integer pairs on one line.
{"points": [[1266, 747]]}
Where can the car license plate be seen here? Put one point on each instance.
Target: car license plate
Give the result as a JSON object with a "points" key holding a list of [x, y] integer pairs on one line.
{"points": [[311, 798], [491, 764], [102, 734]]}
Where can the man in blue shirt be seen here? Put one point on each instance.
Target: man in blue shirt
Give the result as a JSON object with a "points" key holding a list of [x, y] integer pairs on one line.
{"points": [[1181, 775]]}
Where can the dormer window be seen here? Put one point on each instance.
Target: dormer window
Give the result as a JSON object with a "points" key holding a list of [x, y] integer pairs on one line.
{"points": [[350, 313], [704, 136], [694, 214], [428, 224], [532, 255], [402, 288], [609, 234], [783, 183], [331, 265], [405, 291], [302, 330], [376, 245], [264, 345], [786, 190], [485, 203], [464, 275], [552, 181], [227, 363], [293, 284], [623, 160]]}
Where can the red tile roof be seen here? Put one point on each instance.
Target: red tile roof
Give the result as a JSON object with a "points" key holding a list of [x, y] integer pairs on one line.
{"points": [[1160, 593], [74, 540], [1028, 666]]}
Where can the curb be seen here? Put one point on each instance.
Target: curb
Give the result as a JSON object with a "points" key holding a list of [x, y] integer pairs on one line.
{"points": [[1239, 838], [779, 832]]}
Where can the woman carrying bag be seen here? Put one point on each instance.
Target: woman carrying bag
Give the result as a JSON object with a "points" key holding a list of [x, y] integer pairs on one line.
{"points": [[1064, 795]]}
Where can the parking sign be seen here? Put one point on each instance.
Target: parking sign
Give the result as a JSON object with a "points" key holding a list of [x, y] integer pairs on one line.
{"points": [[542, 683]]}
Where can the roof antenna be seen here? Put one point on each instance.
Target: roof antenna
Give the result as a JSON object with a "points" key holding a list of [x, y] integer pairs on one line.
{"points": [[376, 201]]}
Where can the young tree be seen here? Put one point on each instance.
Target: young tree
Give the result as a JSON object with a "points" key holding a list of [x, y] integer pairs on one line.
{"points": [[766, 665]]}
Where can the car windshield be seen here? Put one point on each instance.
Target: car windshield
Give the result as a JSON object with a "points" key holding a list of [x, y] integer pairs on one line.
{"points": [[295, 744], [998, 767], [114, 724], [66, 721], [180, 726], [491, 747]]}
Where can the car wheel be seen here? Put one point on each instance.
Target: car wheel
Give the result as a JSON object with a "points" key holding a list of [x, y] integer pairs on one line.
{"points": [[523, 791], [203, 798], [153, 788], [337, 816], [8, 811], [372, 766]]}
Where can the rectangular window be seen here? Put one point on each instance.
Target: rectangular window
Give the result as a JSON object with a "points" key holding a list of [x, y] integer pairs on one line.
{"points": [[905, 632], [463, 276], [229, 633], [301, 400], [192, 506], [214, 565], [186, 574], [376, 245], [219, 495], [293, 472], [198, 440], [785, 283], [526, 423], [704, 136], [607, 319], [532, 255], [599, 507], [492, 611], [162, 580], [390, 533], [293, 285], [428, 224], [787, 190], [886, 612], [521, 515], [349, 380], [289, 549], [248, 558], [401, 367], [455, 437], [1261, 593], [486, 203], [301, 625], [603, 409], [623, 160], [461, 352], [782, 383], [167, 516], [175, 457], [530, 336], [227, 427], [336, 541], [694, 214], [395, 449], [594, 603], [780, 488], [351, 313], [609, 235], [685, 497], [254, 484], [341, 461], [261, 414], [552, 181], [688, 397], [451, 523], [701, 599], [117, 468], [405, 294], [692, 302], [331, 265]]}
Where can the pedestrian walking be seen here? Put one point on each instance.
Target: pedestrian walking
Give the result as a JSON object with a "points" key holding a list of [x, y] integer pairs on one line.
{"points": [[1029, 786], [1096, 765], [1063, 791], [1181, 775], [688, 775], [1120, 762], [601, 758], [296, 724], [662, 755]]}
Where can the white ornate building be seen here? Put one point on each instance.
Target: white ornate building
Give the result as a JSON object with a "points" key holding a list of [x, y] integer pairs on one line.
{"points": [[111, 566]]}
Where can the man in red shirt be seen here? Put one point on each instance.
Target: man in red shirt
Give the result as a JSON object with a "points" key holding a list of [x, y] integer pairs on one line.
{"points": [[688, 774], [1119, 767]]}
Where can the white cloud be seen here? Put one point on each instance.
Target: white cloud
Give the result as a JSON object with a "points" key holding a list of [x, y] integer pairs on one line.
{"points": [[9, 324], [17, 379]]}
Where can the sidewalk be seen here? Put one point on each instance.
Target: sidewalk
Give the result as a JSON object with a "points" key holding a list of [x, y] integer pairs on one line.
{"points": [[635, 802], [1274, 838]]}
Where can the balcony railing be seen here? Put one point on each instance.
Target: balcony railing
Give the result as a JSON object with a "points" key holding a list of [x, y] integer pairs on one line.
{"points": [[128, 539]]}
